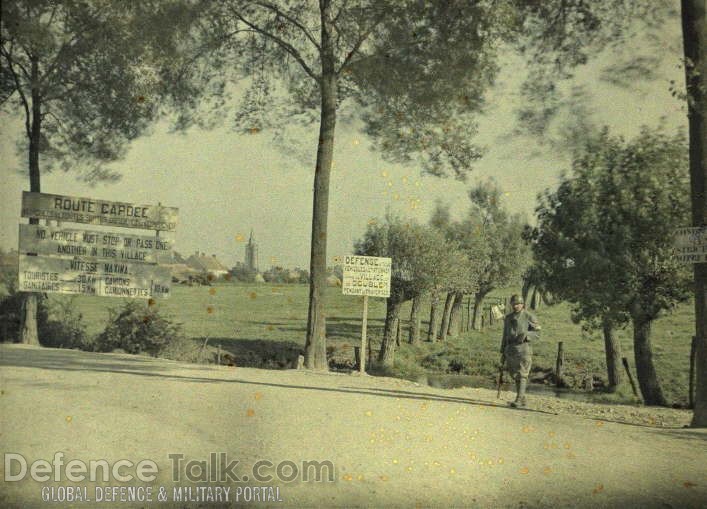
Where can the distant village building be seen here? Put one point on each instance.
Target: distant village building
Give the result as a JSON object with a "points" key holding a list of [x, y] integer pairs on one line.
{"points": [[251, 254], [207, 264]]}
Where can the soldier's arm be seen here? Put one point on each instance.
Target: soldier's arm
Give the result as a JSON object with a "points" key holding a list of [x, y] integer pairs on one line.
{"points": [[533, 327]]}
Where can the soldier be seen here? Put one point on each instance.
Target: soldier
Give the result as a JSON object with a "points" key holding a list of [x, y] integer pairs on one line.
{"points": [[519, 329]]}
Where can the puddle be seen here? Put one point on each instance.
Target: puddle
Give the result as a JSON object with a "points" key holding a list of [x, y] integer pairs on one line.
{"points": [[445, 381]]}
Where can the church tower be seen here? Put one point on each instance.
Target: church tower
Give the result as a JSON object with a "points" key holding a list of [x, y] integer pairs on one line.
{"points": [[251, 254]]}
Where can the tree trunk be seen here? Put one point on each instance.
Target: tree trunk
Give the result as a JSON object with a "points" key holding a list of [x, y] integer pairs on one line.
{"points": [[414, 337], [455, 315], [28, 317], [478, 299], [645, 370], [392, 318], [315, 346], [434, 317], [612, 350], [445, 316], [694, 34]]}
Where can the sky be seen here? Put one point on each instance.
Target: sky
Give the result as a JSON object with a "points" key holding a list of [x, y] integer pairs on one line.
{"points": [[226, 184]]}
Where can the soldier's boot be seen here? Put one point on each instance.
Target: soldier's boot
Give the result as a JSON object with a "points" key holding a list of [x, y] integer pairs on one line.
{"points": [[517, 400], [522, 385]]}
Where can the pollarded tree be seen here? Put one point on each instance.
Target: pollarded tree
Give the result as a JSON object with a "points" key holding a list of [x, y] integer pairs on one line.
{"points": [[422, 261], [80, 73], [604, 238], [416, 72], [495, 242]]}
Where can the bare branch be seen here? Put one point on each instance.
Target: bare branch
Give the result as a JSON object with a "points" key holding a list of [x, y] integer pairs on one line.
{"points": [[292, 20], [283, 44]]}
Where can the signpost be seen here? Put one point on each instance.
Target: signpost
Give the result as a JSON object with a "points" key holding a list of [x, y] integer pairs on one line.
{"points": [[95, 262], [73, 209], [367, 276], [691, 244]]}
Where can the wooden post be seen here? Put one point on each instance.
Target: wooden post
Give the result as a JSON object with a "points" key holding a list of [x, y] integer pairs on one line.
{"points": [[468, 315], [357, 355], [624, 361], [691, 385], [490, 315], [559, 364], [483, 319], [362, 363], [218, 355]]}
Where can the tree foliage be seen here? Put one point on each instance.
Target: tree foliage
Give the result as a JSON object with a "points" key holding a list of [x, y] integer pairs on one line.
{"points": [[81, 73], [604, 237]]}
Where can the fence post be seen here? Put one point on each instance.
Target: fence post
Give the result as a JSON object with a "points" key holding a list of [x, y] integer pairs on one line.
{"points": [[559, 364], [691, 388], [624, 361]]}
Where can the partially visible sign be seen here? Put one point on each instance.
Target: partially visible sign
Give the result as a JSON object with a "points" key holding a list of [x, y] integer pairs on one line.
{"points": [[106, 278], [366, 275], [107, 213], [691, 244], [118, 246]]}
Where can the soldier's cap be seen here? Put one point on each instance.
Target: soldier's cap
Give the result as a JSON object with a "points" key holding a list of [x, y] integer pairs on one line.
{"points": [[516, 299]]}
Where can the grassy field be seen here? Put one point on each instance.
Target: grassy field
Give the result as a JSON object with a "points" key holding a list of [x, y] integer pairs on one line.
{"points": [[252, 321]]}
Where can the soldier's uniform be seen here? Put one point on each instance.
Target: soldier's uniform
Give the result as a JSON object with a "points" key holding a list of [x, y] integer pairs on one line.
{"points": [[519, 330]]}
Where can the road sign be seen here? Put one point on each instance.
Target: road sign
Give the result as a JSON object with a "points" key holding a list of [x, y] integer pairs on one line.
{"points": [[117, 246], [107, 213], [106, 278], [366, 275], [691, 244]]}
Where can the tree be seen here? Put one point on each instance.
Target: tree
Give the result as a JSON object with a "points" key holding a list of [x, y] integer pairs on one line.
{"points": [[495, 241], [471, 244], [604, 238], [82, 77], [694, 30], [422, 261], [415, 70]]}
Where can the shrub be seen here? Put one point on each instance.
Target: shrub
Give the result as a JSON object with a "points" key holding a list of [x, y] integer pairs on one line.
{"points": [[135, 329], [64, 327]]}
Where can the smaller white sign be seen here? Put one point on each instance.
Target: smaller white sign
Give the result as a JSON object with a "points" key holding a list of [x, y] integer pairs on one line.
{"points": [[691, 244], [366, 275]]}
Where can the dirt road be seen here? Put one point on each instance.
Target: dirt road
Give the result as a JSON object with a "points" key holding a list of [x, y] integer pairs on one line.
{"points": [[391, 443]]}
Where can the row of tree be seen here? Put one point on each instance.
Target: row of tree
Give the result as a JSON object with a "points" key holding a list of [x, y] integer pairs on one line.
{"points": [[445, 261], [603, 242]]}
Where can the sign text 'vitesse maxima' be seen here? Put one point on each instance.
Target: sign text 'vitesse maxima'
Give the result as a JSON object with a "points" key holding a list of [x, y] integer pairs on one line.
{"points": [[74, 209], [118, 246], [93, 277]]}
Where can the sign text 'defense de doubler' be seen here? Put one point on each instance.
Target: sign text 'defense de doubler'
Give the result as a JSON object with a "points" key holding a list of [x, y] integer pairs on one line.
{"points": [[366, 275]]}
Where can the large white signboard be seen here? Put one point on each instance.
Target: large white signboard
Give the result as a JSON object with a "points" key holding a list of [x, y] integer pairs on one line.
{"points": [[105, 278], [366, 275], [118, 246], [691, 244], [107, 213]]}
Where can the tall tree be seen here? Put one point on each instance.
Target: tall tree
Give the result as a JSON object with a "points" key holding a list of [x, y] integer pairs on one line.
{"points": [[415, 70], [694, 31], [604, 238], [79, 74]]}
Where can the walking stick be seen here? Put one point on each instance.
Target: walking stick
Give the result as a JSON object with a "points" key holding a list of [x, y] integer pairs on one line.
{"points": [[500, 376]]}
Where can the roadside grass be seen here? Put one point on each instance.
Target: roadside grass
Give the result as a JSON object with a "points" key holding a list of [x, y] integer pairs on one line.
{"points": [[265, 325]]}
